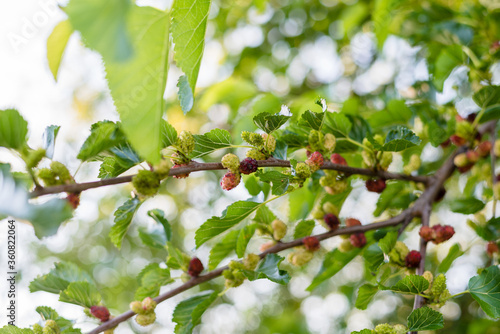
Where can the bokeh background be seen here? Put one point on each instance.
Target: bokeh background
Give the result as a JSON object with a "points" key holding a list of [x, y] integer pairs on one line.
{"points": [[259, 55]]}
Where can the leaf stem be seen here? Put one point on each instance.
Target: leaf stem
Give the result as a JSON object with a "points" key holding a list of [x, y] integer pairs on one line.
{"points": [[459, 294]]}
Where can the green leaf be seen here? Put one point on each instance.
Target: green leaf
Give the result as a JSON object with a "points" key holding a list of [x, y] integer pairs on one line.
{"points": [[466, 206], [103, 136], [81, 293], [436, 133], [365, 295], [49, 140], [59, 278], [13, 129], [364, 331], [168, 134], [490, 113], [47, 217], [252, 185], [151, 279], [103, 26], [391, 193], [396, 113], [176, 258], [487, 96], [374, 257], [47, 313], [334, 261], [269, 268], [280, 152], [159, 216], [337, 123], [485, 289], [56, 44], [111, 167], [313, 120], [137, 85], [264, 215], [186, 95], [211, 141], [246, 233], [388, 242], [10, 329], [449, 58], [411, 284], [400, 139], [123, 158], [454, 253], [303, 229], [189, 23], [187, 314], [490, 231], [425, 319], [153, 238], [222, 249], [278, 180], [233, 214], [268, 122], [123, 218]]}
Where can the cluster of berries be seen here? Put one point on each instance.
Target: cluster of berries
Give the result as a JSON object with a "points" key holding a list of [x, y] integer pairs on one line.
{"points": [[378, 160], [401, 256], [465, 161], [437, 233], [357, 240], [235, 168], [302, 255], [264, 145], [277, 229], [184, 147], [50, 327], [234, 275], [390, 329], [145, 311], [437, 291], [335, 182], [318, 142]]}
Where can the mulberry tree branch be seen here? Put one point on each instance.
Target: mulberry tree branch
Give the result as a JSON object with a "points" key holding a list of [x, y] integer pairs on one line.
{"points": [[204, 166]]}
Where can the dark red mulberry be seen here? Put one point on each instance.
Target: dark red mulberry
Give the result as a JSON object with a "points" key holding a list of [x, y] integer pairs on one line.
{"points": [[248, 166]]}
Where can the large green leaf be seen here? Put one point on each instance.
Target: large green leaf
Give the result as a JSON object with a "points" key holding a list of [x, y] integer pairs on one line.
{"points": [[123, 219], [411, 284], [365, 294], [222, 249], [56, 44], [151, 279], [436, 133], [374, 257], [81, 293], [454, 253], [397, 139], [311, 119], [388, 242], [487, 96], [103, 25], [334, 261], [189, 23], [13, 129], [466, 206], [303, 229], [425, 319], [103, 136], [10, 329], [485, 289], [337, 123], [187, 314], [268, 122], [246, 233], [233, 214], [211, 141], [269, 268], [59, 278], [449, 58], [279, 181], [137, 85]]}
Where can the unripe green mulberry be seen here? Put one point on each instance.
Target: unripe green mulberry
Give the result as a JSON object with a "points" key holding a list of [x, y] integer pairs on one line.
{"points": [[146, 183], [329, 142], [136, 307], [332, 185], [163, 168], [329, 207], [429, 277], [186, 142], [279, 229], [148, 304], [251, 260], [413, 165], [48, 177], [317, 212], [465, 130], [231, 162], [234, 278], [145, 319], [369, 159], [256, 154], [385, 160], [61, 172], [439, 285], [346, 246], [398, 254], [302, 171], [34, 157], [300, 257], [316, 139], [384, 329], [400, 329], [51, 327], [269, 142], [37, 329]]}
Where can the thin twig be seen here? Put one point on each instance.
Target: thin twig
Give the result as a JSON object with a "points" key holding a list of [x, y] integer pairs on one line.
{"points": [[204, 166]]}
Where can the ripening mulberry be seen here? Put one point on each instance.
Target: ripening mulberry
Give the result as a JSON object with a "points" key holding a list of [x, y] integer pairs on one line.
{"points": [[195, 267], [311, 243], [358, 240], [332, 221], [100, 312], [230, 181], [315, 161], [375, 185], [413, 259], [248, 166], [338, 159]]}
